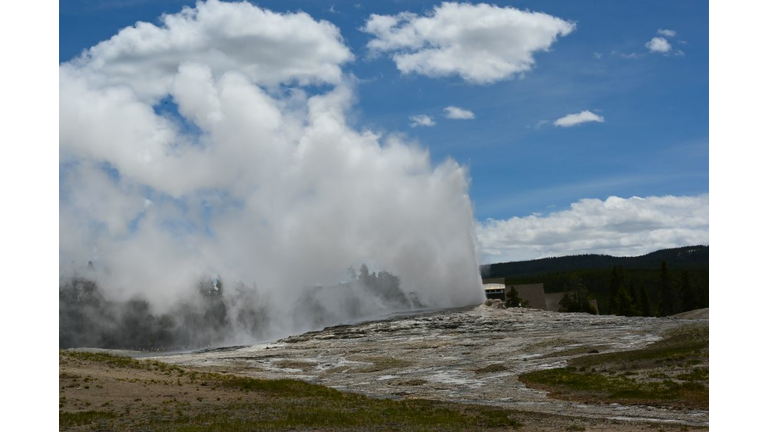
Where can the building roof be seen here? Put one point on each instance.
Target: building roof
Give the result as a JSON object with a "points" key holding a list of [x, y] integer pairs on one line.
{"points": [[493, 281], [494, 286]]}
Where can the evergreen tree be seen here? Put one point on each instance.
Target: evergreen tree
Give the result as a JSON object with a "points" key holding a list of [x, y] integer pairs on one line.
{"points": [[513, 297], [687, 295], [667, 301], [613, 287], [576, 299], [365, 276], [633, 293], [703, 289], [644, 302], [623, 302]]}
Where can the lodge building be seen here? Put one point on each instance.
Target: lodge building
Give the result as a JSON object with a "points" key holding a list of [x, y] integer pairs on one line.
{"points": [[532, 295]]}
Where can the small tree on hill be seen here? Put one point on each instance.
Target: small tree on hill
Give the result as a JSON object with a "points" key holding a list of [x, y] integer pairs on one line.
{"points": [[513, 298]]}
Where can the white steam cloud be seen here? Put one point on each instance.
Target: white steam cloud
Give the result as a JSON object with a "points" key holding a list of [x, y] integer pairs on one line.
{"points": [[195, 147]]}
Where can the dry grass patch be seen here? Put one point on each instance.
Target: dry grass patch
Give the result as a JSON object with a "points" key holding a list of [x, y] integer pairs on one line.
{"points": [[217, 402], [670, 372], [378, 364], [302, 365]]}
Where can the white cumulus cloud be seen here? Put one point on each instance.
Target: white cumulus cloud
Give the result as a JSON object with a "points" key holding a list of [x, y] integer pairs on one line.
{"points": [[456, 113], [667, 32], [616, 226], [578, 118], [481, 43], [268, 48], [421, 120], [658, 45]]}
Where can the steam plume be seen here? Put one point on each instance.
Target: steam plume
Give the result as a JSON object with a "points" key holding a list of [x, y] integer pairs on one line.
{"points": [[215, 145]]}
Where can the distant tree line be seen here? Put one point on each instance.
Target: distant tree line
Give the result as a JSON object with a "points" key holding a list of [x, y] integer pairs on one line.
{"points": [[688, 257], [384, 285], [213, 313], [364, 294], [631, 292], [87, 318]]}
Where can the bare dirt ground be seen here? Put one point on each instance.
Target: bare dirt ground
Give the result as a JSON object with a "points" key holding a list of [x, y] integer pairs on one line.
{"points": [[474, 356]]}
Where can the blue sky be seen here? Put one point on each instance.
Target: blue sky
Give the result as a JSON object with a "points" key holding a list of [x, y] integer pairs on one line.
{"points": [[653, 140]]}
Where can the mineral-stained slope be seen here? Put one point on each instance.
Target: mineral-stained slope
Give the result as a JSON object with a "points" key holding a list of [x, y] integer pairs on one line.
{"points": [[470, 355]]}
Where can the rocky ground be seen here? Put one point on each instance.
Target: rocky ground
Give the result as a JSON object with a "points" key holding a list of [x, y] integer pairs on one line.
{"points": [[472, 355]]}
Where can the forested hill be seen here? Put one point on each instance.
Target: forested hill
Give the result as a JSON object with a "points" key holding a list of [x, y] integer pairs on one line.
{"points": [[680, 258]]}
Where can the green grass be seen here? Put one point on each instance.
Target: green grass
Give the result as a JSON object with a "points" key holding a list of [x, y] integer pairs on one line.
{"points": [[600, 386], [644, 376], [589, 349], [698, 374], [679, 347], [379, 364], [116, 361], [70, 419], [104, 358], [278, 387], [357, 413]]}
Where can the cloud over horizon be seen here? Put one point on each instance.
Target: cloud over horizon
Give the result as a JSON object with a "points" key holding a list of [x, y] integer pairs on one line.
{"points": [[615, 226], [480, 43]]}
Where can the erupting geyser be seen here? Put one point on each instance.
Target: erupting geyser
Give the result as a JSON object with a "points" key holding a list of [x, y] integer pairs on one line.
{"points": [[208, 171]]}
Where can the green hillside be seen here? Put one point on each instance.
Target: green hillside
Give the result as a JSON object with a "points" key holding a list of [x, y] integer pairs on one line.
{"points": [[683, 257], [687, 278]]}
